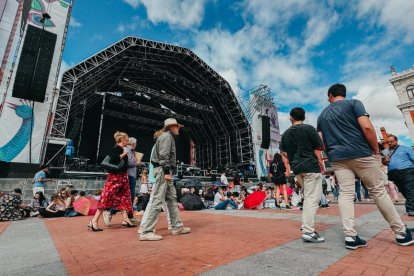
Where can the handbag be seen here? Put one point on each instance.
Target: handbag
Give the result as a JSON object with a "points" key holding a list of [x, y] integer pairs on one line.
{"points": [[107, 165]]}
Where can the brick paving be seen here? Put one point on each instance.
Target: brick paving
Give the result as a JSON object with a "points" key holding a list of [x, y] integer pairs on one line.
{"points": [[242, 239], [215, 240], [3, 226], [380, 257], [333, 210]]}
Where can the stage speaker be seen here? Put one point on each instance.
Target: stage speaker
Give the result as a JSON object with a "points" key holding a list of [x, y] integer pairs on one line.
{"points": [[76, 124], [265, 132], [4, 169], [32, 73]]}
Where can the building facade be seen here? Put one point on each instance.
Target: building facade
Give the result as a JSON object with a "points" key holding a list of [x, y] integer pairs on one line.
{"points": [[403, 83]]}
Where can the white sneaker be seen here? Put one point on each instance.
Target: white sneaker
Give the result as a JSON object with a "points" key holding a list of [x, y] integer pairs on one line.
{"points": [[312, 237], [180, 231], [107, 217], [140, 230], [150, 237]]}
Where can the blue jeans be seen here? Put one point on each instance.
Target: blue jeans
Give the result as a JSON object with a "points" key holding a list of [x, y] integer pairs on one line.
{"points": [[132, 184], [323, 200], [335, 191], [223, 205]]}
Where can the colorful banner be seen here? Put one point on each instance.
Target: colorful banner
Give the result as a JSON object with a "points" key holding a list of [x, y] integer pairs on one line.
{"points": [[18, 120], [263, 157]]}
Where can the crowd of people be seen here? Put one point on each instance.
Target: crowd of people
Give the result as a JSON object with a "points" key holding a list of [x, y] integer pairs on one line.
{"points": [[363, 168]]}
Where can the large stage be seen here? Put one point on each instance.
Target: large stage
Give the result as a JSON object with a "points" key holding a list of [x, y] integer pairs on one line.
{"points": [[133, 86]]}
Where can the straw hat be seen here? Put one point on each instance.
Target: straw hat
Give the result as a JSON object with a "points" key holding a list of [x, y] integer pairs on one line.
{"points": [[171, 121]]}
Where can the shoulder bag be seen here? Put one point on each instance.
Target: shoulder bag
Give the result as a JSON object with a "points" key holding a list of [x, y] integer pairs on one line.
{"points": [[108, 165]]}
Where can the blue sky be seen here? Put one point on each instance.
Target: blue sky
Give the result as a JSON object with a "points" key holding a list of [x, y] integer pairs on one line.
{"points": [[297, 47]]}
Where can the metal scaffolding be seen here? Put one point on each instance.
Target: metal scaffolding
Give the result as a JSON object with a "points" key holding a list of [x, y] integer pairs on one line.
{"points": [[157, 81]]}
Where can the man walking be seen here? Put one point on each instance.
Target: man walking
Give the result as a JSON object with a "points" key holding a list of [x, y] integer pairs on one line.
{"points": [[351, 144], [164, 160], [401, 170], [298, 144]]}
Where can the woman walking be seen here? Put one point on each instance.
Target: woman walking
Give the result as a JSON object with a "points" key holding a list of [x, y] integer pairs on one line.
{"points": [[116, 192], [277, 171]]}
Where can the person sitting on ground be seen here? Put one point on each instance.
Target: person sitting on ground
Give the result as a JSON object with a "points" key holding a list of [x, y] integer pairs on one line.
{"points": [[38, 201], [221, 203], [98, 194], [78, 195], [65, 195], [56, 208], [209, 197], [12, 207]]}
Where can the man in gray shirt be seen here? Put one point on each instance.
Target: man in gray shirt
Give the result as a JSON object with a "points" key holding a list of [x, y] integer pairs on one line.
{"points": [[164, 159], [351, 144]]}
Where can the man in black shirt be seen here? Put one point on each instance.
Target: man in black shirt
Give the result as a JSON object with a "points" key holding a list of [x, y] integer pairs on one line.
{"points": [[298, 145]]}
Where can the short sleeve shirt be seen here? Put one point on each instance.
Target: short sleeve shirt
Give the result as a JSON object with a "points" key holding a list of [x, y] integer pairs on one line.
{"points": [[217, 199], [342, 135], [300, 142], [38, 175]]}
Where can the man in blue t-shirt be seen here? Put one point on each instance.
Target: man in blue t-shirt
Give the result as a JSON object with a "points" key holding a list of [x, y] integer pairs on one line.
{"points": [[401, 170], [39, 180], [351, 144]]}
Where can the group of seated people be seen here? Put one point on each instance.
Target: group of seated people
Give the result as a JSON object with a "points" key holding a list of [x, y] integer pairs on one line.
{"points": [[60, 204]]}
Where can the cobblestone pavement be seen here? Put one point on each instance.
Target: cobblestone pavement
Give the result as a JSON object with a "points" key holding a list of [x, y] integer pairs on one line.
{"points": [[230, 242]]}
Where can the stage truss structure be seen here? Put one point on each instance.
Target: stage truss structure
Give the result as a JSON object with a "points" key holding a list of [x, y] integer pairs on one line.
{"points": [[179, 83]]}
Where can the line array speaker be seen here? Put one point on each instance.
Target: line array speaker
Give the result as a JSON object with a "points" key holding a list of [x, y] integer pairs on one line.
{"points": [[34, 65], [265, 132]]}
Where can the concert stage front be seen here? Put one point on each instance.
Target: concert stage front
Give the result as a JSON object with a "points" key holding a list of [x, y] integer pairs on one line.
{"points": [[133, 86]]}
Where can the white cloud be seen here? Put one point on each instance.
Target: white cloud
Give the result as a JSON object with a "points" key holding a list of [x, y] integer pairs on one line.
{"points": [[133, 3], [74, 23], [380, 100], [182, 14], [64, 66], [394, 15], [318, 28]]}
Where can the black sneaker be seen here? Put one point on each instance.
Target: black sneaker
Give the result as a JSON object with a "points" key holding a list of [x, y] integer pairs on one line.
{"points": [[287, 207], [312, 237], [354, 242], [406, 238]]}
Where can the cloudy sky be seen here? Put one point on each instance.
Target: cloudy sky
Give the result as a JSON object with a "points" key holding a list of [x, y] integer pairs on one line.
{"points": [[297, 47]]}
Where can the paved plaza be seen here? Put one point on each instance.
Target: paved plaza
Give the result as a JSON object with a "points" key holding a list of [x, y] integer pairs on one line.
{"points": [[244, 242]]}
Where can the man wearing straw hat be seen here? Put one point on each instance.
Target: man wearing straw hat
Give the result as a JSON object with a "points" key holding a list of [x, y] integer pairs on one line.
{"points": [[164, 160]]}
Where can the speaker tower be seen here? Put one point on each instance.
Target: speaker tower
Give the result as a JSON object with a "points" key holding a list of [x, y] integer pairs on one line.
{"points": [[265, 132]]}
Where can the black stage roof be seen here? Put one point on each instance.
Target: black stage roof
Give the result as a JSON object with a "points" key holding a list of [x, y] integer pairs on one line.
{"points": [[145, 82]]}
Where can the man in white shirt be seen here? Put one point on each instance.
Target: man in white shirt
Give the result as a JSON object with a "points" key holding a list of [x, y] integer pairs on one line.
{"points": [[221, 203]]}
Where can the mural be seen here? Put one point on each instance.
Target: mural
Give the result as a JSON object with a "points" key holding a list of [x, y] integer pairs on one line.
{"points": [[19, 141], [16, 122]]}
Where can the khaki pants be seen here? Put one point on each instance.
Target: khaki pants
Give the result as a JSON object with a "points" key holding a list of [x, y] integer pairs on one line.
{"points": [[312, 192], [162, 191], [368, 169]]}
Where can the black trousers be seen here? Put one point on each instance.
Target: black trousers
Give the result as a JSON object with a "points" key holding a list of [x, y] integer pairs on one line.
{"points": [[404, 180], [46, 214]]}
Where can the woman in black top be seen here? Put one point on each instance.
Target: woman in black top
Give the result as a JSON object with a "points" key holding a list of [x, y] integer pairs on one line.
{"points": [[116, 192], [277, 172]]}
